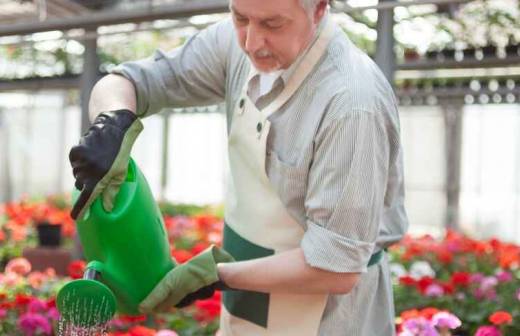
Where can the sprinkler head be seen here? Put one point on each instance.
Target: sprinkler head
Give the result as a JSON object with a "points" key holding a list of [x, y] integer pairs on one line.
{"points": [[86, 302]]}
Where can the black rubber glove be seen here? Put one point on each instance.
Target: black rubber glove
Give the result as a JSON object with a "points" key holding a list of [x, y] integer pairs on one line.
{"points": [[100, 160]]}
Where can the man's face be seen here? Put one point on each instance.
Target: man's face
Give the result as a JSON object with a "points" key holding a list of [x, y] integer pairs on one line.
{"points": [[273, 32]]}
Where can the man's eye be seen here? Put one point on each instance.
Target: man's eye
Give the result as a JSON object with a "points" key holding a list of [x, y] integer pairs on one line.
{"points": [[273, 25], [241, 20]]}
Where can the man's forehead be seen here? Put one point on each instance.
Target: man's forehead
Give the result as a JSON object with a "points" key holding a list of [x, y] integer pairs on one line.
{"points": [[264, 9]]}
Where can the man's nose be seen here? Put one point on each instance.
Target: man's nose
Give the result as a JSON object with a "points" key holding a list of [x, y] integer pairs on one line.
{"points": [[255, 40]]}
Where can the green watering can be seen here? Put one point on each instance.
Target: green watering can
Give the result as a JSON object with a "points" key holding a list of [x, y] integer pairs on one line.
{"points": [[128, 254]]}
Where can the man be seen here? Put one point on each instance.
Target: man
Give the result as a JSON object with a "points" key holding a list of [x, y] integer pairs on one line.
{"points": [[315, 191]]}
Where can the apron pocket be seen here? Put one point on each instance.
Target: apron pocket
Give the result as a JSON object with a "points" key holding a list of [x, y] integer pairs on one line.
{"points": [[247, 305], [290, 183]]}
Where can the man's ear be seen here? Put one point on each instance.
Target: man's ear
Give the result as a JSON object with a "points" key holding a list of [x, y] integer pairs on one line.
{"points": [[320, 10]]}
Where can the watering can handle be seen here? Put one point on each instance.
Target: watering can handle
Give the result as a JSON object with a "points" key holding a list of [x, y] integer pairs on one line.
{"points": [[82, 200]]}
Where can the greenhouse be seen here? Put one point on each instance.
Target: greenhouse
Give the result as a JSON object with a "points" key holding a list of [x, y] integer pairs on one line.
{"points": [[454, 67]]}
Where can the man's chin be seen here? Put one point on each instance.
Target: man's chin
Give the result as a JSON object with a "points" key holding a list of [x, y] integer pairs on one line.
{"points": [[266, 68]]}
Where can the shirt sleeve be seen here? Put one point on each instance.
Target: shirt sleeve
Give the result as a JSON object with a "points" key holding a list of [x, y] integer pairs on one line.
{"points": [[194, 74], [345, 195]]}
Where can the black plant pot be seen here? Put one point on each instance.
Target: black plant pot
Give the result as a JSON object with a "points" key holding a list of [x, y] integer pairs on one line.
{"points": [[432, 54], [489, 51], [512, 50], [469, 53], [49, 235], [448, 54]]}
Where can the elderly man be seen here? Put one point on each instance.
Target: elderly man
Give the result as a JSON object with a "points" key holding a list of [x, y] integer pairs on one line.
{"points": [[315, 191]]}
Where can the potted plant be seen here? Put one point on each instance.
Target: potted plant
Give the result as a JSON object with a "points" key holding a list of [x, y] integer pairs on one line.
{"points": [[49, 235], [411, 55], [469, 53], [489, 51], [513, 50]]}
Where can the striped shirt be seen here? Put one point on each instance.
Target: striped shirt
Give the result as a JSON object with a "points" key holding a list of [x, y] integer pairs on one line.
{"points": [[333, 155]]}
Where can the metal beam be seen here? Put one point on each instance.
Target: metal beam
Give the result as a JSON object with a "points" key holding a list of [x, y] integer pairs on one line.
{"points": [[455, 92], [453, 119], [112, 17], [88, 79], [71, 6], [35, 84], [487, 62], [344, 7], [165, 153], [385, 54], [6, 187]]}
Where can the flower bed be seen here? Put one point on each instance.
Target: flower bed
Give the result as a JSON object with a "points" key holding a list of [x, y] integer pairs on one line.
{"points": [[477, 281], [455, 286]]}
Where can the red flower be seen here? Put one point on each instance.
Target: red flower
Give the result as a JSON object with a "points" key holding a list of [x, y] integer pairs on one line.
{"points": [[199, 247], [141, 331], [181, 256], [460, 279], [424, 282], [500, 317], [409, 314], [444, 256], [8, 305], [132, 319], [407, 280], [428, 313], [208, 309], [76, 269], [22, 299], [448, 287]]}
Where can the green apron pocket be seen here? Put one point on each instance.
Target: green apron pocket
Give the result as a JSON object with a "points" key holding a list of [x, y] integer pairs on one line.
{"points": [[247, 305]]}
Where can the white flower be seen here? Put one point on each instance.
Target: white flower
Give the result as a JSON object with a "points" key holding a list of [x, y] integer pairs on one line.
{"points": [[421, 269], [397, 270]]}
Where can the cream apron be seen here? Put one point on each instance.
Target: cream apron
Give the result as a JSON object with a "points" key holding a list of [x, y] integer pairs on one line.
{"points": [[258, 224]]}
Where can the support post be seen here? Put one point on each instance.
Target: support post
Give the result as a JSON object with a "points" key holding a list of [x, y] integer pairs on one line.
{"points": [[5, 180], [453, 121], [165, 152], [385, 54], [88, 77]]}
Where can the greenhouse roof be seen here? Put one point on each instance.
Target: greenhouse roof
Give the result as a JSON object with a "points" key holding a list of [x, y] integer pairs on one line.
{"points": [[19, 17]]}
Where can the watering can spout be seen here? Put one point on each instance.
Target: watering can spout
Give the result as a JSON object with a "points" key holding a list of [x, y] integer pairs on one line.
{"points": [[93, 271]]}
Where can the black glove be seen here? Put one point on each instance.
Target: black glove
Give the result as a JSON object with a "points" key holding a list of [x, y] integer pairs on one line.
{"points": [[100, 160]]}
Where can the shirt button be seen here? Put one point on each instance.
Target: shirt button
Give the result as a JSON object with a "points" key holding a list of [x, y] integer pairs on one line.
{"points": [[242, 102], [259, 127]]}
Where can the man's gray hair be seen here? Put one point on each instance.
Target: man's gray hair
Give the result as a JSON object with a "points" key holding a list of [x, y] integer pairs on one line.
{"points": [[310, 5]]}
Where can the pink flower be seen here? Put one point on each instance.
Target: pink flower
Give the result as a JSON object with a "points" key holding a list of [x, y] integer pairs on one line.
{"points": [[434, 290], [476, 278], [53, 314], [488, 283], [165, 332], [20, 266], [518, 294], [490, 294], [488, 331], [37, 306], [33, 324], [504, 276], [36, 279], [11, 279], [418, 327], [3, 313], [445, 320]]}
